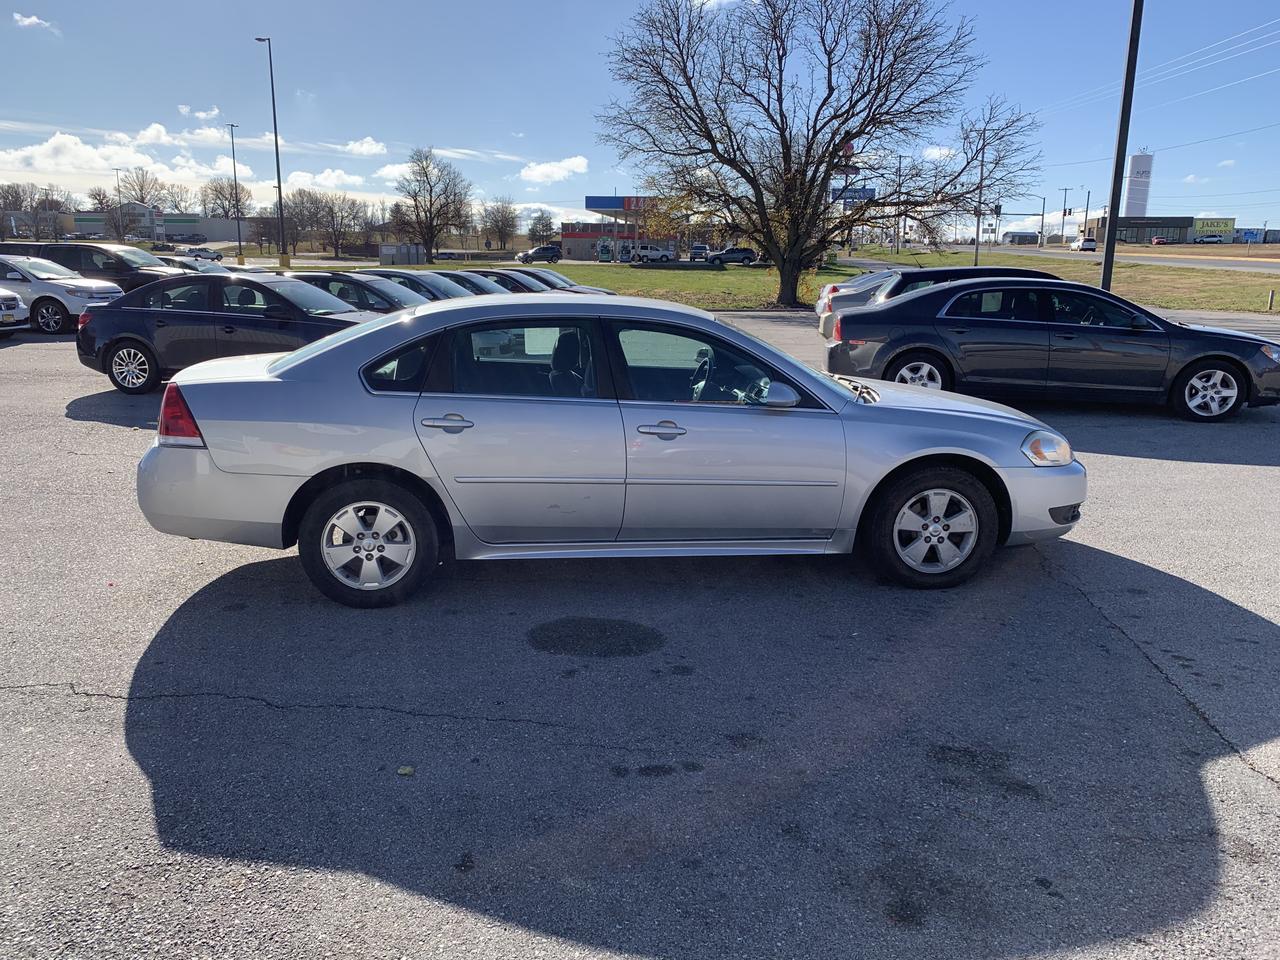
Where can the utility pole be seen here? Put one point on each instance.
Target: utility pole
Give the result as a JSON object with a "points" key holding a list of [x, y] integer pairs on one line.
{"points": [[275, 126], [235, 185], [1065, 191], [897, 217], [119, 224], [1084, 230], [982, 175], [1042, 203], [1122, 146]]}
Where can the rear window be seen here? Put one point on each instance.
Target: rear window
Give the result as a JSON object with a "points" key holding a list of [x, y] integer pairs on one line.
{"points": [[338, 338]]}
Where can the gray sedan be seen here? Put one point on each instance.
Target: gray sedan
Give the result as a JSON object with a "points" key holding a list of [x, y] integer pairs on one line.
{"points": [[587, 426]]}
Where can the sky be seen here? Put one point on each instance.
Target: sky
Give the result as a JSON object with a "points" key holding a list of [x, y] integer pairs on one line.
{"points": [[508, 91]]}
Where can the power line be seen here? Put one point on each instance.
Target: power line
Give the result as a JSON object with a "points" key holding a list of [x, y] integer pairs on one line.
{"points": [[1201, 93], [1175, 146]]}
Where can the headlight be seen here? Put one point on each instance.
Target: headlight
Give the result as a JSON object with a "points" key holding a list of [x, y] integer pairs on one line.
{"points": [[73, 290], [1046, 449], [1272, 351]]}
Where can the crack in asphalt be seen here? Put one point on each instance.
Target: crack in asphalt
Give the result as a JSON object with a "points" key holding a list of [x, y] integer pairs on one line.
{"points": [[1061, 575]]}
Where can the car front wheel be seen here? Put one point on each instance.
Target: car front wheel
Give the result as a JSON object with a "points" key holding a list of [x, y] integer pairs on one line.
{"points": [[132, 368], [368, 543], [1209, 390], [49, 316], [933, 527]]}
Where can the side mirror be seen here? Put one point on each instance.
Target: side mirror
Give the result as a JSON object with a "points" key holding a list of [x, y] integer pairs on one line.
{"points": [[1137, 322], [277, 311], [781, 395], [14, 275]]}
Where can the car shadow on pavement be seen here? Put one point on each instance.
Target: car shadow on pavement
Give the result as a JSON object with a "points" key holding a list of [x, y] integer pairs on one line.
{"points": [[734, 757], [116, 408], [26, 335], [1252, 437]]}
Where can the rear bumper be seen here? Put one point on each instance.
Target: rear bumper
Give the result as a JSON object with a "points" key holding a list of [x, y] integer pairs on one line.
{"points": [[1036, 494], [182, 492]]}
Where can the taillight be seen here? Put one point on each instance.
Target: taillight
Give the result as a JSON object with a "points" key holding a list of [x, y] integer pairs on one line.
{"points": [[84, 318], [836, 331], [177, 425]]}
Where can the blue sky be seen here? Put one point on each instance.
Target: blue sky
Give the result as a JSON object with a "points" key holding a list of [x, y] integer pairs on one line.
{"points": [[508, 90]]}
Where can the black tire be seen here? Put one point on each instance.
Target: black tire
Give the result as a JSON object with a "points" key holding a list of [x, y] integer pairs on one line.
{"points": [[142, 361], [935, 360], [717, 261], [555, 259], [1178, 394], [218, 258], [421, 532], [51, 317], [5, 334], [880, 528], [664, 258]]}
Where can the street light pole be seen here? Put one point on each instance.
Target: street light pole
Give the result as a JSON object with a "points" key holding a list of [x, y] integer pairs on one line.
{"points": [[1065, 191], [982, 175], [119, 224], [235, 185], [1084, 230], [1122, 146], [275, 126]]}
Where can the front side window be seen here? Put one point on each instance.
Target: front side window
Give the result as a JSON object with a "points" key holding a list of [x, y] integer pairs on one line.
{"points": [[668, 367], [553, 359], [1083, 310], [996, 305]]}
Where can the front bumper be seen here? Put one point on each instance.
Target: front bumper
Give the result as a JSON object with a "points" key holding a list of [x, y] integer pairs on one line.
{"points": [[182, 492], [15, 318], [1266, 382], [1036, 494]]}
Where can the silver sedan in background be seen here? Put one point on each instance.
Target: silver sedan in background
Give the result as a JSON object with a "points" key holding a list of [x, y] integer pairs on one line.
{"points": [[587, 426]]}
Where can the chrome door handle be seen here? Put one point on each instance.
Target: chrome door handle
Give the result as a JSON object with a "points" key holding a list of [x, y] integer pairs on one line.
{"points": [[450, 421], [663, 428]]}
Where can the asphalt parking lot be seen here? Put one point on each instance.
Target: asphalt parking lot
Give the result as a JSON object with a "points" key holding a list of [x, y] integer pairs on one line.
{"points": [[1075, 754]]}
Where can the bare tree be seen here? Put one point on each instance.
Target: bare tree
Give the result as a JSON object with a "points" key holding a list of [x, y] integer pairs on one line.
{"points": [[101, 199], [37, 208], [436, 198], [753, 111], [142, 186], [218, 198], [339, 216], [179, 198], [542, 228], [500, 220]]}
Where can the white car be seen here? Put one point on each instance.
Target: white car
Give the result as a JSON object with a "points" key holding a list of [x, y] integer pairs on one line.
{"points": [[13, 312], [54, 294], [203, 253], [649, 253], [1085, 244]]}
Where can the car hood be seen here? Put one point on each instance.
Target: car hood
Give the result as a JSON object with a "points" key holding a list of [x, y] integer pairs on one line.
{"points": [[97, 288], [162, 271], [1226, 332], [901, 396]]}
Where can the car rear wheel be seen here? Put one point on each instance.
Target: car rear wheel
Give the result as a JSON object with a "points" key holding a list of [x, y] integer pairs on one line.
{"points": [[934, 527], [132, 368], [368, 543], [920, 369], [49, 316], [1209, 390], [717, 261]]}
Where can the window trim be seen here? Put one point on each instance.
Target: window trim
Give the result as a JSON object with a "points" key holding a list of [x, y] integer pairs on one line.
{"points": [[1151, 325], [428, 362]]}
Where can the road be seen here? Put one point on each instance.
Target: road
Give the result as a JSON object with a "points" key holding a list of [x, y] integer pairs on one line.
{"points": [[1270, 264], [1074, 755]]}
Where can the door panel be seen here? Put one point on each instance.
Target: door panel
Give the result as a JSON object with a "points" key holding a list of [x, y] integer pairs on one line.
{"points": [[998, 340], [1095, 347], [735, 473], [182, 321], [243, 326]]}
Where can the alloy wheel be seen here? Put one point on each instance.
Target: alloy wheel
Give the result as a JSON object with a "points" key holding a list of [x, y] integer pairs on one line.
{"points": [[368, 545], [129, 367], [935, 531], [1211, 392], [920, 373], [49, 318]]}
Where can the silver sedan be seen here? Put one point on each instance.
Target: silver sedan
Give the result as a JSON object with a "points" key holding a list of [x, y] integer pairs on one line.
{"points": [[587, 426]]}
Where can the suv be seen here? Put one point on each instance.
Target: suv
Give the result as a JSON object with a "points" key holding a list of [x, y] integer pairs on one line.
{"points": [[127, 267], [648, 253], [203, 253], [1085, 244], [699, 251], [742, 255], [547, 252], [1210, 238], [55, 294]]}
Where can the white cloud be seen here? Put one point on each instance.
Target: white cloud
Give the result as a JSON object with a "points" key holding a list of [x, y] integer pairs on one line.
{"points": [[553, 171], [1208, 213], [559, 214], [1226, 163], [391, 171], [937, 153], [326, 179], [518, 136], [187, 166], [184, 109], [68, 154], [1192, 178], [24, 22], [209, 114], [365, 147]]}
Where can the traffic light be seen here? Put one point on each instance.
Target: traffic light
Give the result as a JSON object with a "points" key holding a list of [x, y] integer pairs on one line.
{"points": [[997, 210]]}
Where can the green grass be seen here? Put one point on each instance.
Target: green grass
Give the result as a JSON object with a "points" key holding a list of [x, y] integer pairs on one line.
{"points": [[1175, 288]]}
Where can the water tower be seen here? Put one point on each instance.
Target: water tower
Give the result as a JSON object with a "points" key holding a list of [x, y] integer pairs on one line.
{"points": [[1137, 184]]}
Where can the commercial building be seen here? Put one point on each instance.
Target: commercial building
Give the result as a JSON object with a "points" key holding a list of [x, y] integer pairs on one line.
{"points": [[1142, 230], [620, 228], [1020, 237], [151, 223]]}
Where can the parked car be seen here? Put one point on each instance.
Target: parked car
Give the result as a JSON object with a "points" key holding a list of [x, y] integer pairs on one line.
{"points": [[127, 267], [558, 281], [1159, 241], [361, 291], [14, 312], [478, 285], [511, 281], [203, 253], [430, 284], [1210, 238], [699, 251], [1028, 338], [547, 252], [1084, 244], [727, 446], [742, 255], [887, 284], [240, 268], [652, 253], [52, 294], [156, 330], [192, 265], [159, 247]]}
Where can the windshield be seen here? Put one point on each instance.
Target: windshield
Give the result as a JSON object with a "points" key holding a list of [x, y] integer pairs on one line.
{"points": [[137, 258], [476, 283], [551, 279], [397, 293], [334, 339], [310, 299], [442, 286], [866, 280], [856, 296], [45, 269]]}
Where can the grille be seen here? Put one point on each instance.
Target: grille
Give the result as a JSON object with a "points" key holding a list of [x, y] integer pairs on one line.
{"points": [[8, 303]]}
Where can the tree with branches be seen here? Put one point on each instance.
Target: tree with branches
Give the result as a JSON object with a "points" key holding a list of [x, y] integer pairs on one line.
{"points": [[542, 228], [218, 198], [499, 219], [101, 199], [753, 112], [436, 198], [142, 186], [178, 198]]}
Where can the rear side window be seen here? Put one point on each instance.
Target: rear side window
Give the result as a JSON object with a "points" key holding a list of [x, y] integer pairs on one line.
{"points": [[404, 371], [184, 296], [997, 305]]}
